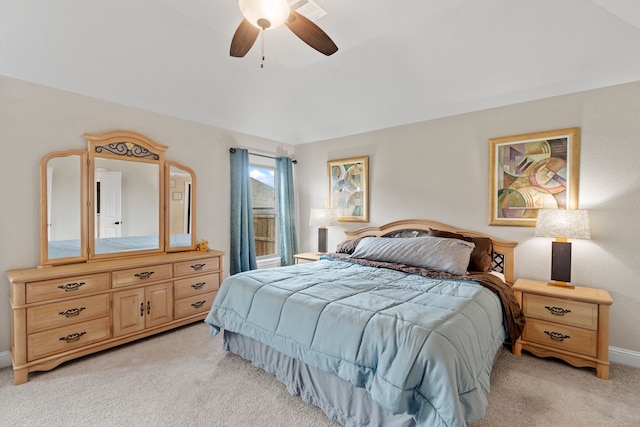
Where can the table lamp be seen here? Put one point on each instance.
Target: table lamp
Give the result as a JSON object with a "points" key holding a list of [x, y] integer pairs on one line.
{"points": [[323, 218], [562, 224]]}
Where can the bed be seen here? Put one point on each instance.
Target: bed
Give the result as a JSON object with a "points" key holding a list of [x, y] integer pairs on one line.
{"points": [[400, 326]]}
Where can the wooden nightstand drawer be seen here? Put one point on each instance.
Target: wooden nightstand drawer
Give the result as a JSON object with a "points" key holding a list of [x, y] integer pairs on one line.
{"points": [[68, 312], [66, 287], [567, 312], [568, 338], [142, 275]]}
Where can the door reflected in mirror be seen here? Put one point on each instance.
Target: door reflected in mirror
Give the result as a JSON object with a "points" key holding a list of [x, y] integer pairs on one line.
{"points": [[126, 200], [181, 210]]}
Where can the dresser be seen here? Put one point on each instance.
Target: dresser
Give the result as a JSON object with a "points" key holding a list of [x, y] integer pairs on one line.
{"points": [[64, 312], [571, 324]]}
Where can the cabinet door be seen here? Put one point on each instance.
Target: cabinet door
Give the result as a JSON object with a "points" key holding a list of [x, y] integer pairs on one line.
{"points": [[129, 311], [159, 304]]}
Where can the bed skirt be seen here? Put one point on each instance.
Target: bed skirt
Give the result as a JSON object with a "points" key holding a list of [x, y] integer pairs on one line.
{"points": [[340, 400]]}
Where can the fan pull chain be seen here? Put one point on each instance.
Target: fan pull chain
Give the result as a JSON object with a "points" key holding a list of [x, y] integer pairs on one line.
{"points": [[262, 48]]}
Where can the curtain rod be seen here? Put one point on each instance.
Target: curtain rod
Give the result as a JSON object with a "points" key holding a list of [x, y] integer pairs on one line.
{"points": [[233, 150]]}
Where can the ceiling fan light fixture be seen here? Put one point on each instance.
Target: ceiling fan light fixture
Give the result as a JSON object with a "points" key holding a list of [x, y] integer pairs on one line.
{"points": [[265, 14]]}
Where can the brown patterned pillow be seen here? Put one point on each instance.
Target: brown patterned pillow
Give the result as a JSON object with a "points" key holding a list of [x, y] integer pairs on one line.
{"points": [[482, 254], [348, 246]]}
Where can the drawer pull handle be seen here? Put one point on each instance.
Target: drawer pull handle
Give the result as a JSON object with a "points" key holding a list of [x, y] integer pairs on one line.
{"points": [[72, 312], [557, 311], [557, 336], [141, 309], [71, 286], [72, 337], [198, 267], [198, 304], [198, 285], [144, 275], [148, 307]]}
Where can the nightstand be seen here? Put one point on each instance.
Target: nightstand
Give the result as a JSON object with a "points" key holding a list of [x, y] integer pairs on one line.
{"points": [[307, 257], [571, 324]]}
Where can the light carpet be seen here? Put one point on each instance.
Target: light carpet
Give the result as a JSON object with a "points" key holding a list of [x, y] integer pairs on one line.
{"points": [[183, 378]]}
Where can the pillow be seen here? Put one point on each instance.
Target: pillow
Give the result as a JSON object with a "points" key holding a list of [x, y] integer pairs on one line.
{"points": [[348, 246], [450, 255], [482, 254]]}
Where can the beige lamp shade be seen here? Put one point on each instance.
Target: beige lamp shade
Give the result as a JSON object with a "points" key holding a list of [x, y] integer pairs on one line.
{"points": [[563, 223], [323, 217]]}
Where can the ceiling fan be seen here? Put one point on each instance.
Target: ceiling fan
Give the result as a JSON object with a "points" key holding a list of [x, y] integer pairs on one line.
{"points": [[270, 14]]}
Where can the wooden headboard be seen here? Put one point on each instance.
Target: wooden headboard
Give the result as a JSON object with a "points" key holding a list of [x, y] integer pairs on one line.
{"points": [[503, 250]]}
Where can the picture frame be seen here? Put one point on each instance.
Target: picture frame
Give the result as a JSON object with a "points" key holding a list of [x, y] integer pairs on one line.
{"points": [[532, 171], [349, 188]]}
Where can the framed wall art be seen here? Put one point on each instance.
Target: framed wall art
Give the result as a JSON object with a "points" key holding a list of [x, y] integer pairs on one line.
{"points": [[530, 172], [349, 188]]}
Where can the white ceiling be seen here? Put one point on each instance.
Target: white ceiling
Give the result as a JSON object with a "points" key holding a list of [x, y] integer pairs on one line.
{"points": [[398, 61]]}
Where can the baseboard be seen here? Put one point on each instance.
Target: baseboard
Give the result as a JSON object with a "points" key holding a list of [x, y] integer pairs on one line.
{"points": [[624, 357], [5, 359]]}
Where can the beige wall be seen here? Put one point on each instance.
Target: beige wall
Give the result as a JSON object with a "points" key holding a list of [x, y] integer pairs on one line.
{"points": [[439, 170], [35, 120]]}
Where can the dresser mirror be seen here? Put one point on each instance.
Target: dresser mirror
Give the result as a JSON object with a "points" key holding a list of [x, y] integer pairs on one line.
{"points": [[181, 206], [126, 204], [63, 206]]}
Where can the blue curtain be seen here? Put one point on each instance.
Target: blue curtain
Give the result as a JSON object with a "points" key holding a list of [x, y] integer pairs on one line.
{"points": [[287, 211], [242, 256]]}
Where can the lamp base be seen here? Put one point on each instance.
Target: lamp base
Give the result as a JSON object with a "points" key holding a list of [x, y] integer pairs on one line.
{"points": [[560, 284]]}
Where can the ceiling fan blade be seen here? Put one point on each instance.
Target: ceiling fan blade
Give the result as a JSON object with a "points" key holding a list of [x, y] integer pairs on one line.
{"points": [[310, 33], [244, 37]]}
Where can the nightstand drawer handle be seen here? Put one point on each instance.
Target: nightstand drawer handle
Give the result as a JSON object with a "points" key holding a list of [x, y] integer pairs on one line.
{"points": [[197, 267], [198, 304], [198, 285], [557, 311], [557, 336]]}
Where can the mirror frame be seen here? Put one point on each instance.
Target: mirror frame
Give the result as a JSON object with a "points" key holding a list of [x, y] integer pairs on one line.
{"points": [[168, 247], [87, 176], [44, 201], [126, 146]]}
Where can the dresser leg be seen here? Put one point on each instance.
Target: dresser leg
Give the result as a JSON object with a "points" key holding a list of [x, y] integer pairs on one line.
{"points": [[602, 371], [20, 376]]}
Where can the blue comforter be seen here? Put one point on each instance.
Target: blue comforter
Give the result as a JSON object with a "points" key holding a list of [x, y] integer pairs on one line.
{"points": [[419, 345]]}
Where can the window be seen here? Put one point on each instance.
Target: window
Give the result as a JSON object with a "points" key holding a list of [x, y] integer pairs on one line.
{"points": [[265, 211]]}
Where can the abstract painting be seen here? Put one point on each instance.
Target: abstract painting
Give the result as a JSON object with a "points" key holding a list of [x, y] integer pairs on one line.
{"points": [[530, 172], [349, 188]]}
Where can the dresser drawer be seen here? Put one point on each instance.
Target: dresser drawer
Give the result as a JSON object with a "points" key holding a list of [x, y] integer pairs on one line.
{"points": [[141, 275], [567, 312], [196, 304], [568, 338], [65, 313], [196, 285], [196, 266], [67, 338], [67, 287]]}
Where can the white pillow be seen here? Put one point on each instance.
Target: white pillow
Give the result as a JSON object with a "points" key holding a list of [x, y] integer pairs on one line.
{"points": [[437, 253]]}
